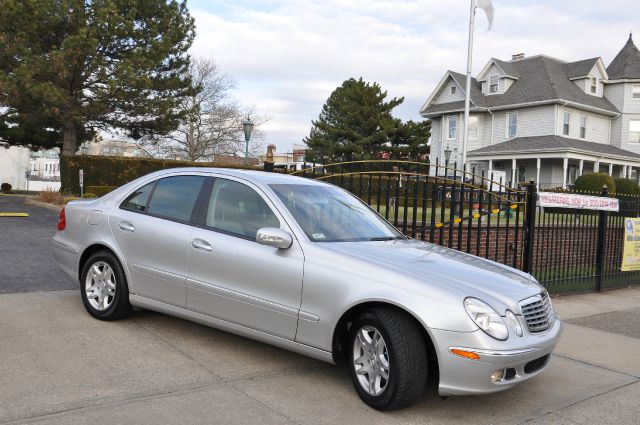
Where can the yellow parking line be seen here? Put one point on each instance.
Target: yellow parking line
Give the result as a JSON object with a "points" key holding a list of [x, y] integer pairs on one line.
{"points": [[14, 214]]}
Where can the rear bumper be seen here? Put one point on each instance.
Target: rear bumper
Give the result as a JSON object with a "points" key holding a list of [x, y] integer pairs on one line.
{"points": [[66, 256], [519, 358]]}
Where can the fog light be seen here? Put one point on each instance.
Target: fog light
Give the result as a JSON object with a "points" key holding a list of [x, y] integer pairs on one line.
{"points": [[497, 375]]}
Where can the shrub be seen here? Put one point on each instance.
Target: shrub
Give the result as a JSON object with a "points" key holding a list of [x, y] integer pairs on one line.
{"points": [[6, 187], [627, 187], [100, 190], [117, 170], [593, 182], [51, 197], [89, 195]]}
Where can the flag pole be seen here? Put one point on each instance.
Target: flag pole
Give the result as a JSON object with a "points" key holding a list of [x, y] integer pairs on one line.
{"points": [[467, 90]]}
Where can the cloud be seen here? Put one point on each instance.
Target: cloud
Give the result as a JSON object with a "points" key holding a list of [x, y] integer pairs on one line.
{"points": [[286, 57]]}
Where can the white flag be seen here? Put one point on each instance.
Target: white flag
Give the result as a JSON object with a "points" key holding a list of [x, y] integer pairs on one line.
{"points": [[488, 9]]}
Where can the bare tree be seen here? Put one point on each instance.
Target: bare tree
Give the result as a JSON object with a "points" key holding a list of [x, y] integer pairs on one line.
{"points": [[214, 124]]}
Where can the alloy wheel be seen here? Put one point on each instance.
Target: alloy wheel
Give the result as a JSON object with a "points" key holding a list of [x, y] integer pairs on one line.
{"points": [[100, 286], [371, 360]]}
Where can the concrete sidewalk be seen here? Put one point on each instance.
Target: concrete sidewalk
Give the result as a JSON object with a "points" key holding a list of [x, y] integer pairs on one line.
{"points": [[60, 366]]}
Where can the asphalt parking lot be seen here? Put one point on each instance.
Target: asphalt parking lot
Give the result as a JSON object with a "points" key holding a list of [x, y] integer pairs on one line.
{"points": [[60, 366]]}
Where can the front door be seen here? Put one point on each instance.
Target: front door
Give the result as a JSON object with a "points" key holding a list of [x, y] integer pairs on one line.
{"points": [[153, 228], [231, 276]]}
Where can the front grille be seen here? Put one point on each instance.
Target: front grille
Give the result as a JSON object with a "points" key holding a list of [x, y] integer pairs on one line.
{"points": [[535, 365], [537, 312]]}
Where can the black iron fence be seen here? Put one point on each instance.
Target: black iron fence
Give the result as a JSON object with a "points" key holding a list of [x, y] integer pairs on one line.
{"points": [[575, 250], [567, 250]]}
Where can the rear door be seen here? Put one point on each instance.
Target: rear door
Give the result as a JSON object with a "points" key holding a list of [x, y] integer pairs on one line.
{"points": [[153, 228]]}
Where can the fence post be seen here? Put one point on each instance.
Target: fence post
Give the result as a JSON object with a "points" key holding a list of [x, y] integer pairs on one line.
{"points": [[602, 227], [529, 226]]}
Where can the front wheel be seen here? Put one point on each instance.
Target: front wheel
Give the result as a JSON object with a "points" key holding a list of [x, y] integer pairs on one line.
{"points": [[387, 358], [104, 289]]}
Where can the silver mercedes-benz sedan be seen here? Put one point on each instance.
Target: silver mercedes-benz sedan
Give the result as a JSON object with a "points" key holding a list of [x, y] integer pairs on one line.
{"points": [[308, 267]]}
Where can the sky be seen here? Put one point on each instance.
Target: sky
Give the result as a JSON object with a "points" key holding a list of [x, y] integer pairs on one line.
{"points": [[287, 56]]}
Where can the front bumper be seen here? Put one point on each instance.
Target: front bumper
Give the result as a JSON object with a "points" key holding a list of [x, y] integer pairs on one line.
{"points": [[520, 358]]}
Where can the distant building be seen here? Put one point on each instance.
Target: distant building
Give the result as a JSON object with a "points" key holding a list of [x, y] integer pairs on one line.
{"points": [[45, 165], [14, 166], [110, 147], [296, 155], [543, 118]]}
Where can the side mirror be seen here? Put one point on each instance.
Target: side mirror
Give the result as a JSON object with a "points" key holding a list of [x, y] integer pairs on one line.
{"points": [[274, 237]]}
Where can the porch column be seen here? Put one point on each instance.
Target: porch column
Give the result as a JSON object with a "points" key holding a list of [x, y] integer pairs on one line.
{"points": [[513, 172], [490, 169], [596, 165], [629, 171], [538, 171], [581, 167], [565, 165], [624, 171], [611, 169]]}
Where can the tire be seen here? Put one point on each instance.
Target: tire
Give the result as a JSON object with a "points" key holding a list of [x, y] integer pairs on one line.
{"points": [[405, 358], [105, 295]]}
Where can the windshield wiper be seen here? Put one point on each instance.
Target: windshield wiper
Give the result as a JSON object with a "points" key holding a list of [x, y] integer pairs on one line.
{"points": [[385, 238]]}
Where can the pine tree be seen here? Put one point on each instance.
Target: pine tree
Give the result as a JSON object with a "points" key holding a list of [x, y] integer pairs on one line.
{"points": [[410, 141], [69, 68], [355, 123]]}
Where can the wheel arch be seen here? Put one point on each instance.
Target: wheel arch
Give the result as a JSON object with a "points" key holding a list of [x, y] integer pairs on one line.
{"points": [[340, 331], [92, 249]]}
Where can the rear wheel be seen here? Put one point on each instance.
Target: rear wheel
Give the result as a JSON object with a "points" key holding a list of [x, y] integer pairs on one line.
{"points": [[387, 358], [104, 289]]}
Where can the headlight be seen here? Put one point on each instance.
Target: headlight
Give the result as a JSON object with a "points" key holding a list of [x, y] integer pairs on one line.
{"points": [[514, 323], [486, 318]]}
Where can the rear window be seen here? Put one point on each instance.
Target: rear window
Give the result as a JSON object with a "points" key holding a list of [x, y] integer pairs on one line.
{"points": [[175, 197], [137, 201]]}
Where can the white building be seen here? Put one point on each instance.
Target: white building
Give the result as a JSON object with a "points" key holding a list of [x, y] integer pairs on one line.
{"points": [[14, 165], [543, 118]]}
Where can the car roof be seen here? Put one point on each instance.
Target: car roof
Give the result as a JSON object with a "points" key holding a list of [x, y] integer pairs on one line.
{"points": [[255, 176]]}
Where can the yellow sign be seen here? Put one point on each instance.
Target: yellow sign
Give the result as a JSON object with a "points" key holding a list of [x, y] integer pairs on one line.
{"points": [[631, 252]]}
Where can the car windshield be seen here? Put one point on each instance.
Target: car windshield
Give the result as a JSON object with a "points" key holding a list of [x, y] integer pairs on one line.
{"points": [[330, 214]]}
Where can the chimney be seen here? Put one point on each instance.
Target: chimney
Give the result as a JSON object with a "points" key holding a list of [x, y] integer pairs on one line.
{"points": [[517, 56]]}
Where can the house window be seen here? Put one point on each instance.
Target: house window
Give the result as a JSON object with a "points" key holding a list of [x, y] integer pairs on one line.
{"points": [[512, 124], [635, 91], [473, 127], [634, 131], [583, 126], [573, 174], [522, 173], [452, 90], [594, 85], [493, 84], [453, 124], [566, 116]]}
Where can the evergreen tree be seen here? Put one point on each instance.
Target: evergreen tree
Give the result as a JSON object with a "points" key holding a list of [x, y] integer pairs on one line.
{"points": [[69, 68], [355, 123], [410, 141]]}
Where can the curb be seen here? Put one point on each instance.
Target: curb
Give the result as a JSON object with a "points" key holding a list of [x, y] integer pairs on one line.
{"points": [[51, 207]]}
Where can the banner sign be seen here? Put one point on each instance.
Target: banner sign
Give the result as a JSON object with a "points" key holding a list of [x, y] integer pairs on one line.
{"points": [[572, 200], [631, 250]]}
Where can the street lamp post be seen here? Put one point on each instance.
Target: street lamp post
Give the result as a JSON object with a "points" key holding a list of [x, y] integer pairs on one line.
{"points": [[247, 127]]}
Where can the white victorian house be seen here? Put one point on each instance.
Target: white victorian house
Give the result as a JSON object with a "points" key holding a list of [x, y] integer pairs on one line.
{"points": [[543, 118]]}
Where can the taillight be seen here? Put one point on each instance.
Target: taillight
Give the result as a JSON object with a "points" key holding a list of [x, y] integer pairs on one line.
{"points": [[62, 220]]}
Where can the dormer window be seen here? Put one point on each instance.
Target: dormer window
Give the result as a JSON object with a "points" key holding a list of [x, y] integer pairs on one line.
{"points": [[594, 85], [493, 84], [452, 90]]}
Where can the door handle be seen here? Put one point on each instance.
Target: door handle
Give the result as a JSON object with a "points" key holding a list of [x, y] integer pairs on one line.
{"points": [[201, 245], [126, 226]]}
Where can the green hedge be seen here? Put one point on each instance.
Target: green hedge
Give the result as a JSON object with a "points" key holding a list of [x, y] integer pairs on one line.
{"points": [[593, 182], [100, 190], [626, 187], [116, 170]]}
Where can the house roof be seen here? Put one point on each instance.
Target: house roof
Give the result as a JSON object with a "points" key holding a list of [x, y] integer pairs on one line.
{"points": [[540, 79], [626, 64], [540, 144]]}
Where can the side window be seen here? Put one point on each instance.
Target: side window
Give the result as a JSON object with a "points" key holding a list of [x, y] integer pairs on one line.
{"points": [[137, 201], [175, 197], [236, 208]]}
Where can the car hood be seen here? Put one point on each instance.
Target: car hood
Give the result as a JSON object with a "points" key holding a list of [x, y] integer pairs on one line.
{"points": [[433, 264]]}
